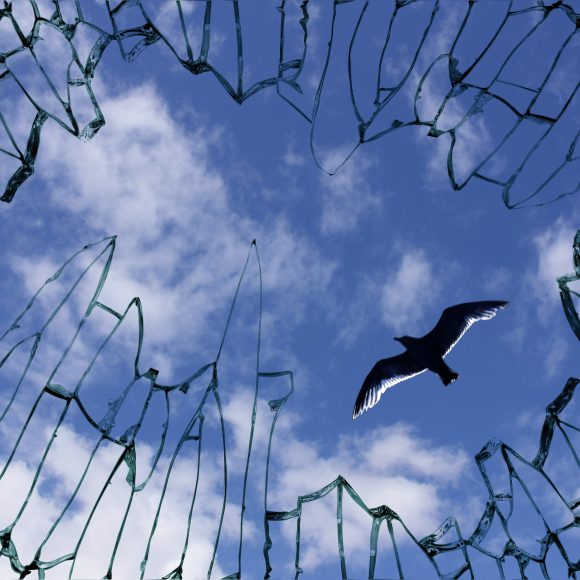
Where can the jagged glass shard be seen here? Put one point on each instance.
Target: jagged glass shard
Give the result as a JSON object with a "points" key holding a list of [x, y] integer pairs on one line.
{"points": [[497, 81], [514, 557], [136, 451]]}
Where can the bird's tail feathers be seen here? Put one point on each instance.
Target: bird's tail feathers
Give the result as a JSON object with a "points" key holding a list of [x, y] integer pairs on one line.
{"points": [[449, 377]]}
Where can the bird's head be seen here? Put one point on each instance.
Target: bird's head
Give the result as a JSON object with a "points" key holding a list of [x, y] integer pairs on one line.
{"points": [[402, 339]]}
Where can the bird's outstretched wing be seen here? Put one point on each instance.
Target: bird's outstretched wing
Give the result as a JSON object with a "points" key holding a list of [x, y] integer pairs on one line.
{"points": [[386, 373], [456, 320]]}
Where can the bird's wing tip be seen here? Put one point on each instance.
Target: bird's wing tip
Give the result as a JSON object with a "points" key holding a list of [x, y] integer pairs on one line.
{"points": [[501, 304]]}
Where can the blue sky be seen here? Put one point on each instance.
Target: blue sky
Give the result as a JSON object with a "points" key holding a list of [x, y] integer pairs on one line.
{"points": [[187, 178]]}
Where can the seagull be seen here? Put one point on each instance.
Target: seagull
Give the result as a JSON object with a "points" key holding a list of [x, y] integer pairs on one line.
{"points": [[425, 353]]}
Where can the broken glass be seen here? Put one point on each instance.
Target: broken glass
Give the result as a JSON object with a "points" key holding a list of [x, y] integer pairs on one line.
{"points": [[54, 386], [503, 102]]}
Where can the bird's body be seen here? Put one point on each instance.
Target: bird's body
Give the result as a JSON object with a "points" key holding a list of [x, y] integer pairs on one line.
{"points": [[424, 353]]}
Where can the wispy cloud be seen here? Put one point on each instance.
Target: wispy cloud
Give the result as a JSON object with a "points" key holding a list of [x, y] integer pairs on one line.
{"points": [[409, 291], [554, 259], [293, 159], [537, 299], [347, 196], [392, 465], [58, 481], [184, 234], [474, 139], [388, 465]]}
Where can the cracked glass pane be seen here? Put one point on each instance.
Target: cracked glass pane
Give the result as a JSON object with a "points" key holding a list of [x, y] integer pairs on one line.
{"points": [[413, 64], [134, 452], [386, 66]]}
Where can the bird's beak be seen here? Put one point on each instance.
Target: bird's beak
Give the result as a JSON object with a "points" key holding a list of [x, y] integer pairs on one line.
{"points": [[397, 338]]}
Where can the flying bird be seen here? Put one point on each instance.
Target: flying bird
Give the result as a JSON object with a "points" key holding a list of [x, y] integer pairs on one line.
{"points": [[425, 353]]}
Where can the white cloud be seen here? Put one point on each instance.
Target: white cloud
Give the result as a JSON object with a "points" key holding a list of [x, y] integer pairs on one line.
{"points": [[183, 238], [554, 259], [346, 195], [292, 159], [388, 465], [409, 292], [473, 143], [183, 243], [539, 298], [58, 481], [68, 458], [473, 138]]}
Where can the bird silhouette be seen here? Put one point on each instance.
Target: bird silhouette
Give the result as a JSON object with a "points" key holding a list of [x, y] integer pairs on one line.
{"points": [[425, 353]]}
